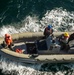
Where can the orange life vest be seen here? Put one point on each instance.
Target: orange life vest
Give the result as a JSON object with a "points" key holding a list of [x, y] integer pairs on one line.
{"points": [[18, 50], [8, 40]]}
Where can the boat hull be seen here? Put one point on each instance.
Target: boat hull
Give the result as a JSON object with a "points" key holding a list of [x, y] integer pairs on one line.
{"points": [[26, 58], [49, 56]]}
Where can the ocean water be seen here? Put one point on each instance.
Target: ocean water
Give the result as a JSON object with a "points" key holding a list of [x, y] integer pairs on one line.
{"points": [[18, 16]]}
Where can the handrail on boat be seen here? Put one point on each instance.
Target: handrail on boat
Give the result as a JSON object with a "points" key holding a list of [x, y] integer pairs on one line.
{"points": [[30, 35]]}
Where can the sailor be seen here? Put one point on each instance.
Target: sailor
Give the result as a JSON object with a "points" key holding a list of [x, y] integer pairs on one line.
{"points": [[49, 37], [63, 40], [71, 37], [48, 31], [8, 41]]}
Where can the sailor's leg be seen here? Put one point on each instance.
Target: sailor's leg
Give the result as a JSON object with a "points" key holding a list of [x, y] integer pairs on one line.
{"points": [[62, 46], [10, 47], [4, 44]]}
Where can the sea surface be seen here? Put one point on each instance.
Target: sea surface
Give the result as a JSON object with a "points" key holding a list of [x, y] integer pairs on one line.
{"points": [[17, 16]]}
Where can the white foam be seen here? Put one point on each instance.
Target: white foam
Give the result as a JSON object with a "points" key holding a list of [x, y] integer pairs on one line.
{"points": [[25, 69], [61, 20], [10, 67]]}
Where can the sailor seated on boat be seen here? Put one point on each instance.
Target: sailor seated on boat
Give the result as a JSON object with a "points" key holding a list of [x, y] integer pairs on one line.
{"points": [[48, 31], [7, 43], [71, 37], [71, 40], [63, 40]]}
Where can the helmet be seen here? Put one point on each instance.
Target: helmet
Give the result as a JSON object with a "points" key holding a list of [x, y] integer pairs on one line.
{"points": [[6, 35], [49, 26], [66, 34]]}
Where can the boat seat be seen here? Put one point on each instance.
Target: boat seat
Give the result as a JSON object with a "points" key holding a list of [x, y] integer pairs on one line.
{"points": [[41, 45], [31, 48], [56, 47]]}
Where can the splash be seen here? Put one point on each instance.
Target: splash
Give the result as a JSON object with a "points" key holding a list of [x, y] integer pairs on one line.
{"points": [[60, 18], [29, 24], [15, 68]]}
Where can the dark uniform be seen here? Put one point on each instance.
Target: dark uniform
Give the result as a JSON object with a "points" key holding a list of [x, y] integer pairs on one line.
{"points": [[48, 31]]}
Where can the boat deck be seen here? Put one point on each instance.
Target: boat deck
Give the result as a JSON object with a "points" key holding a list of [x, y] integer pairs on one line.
{"points": [[31, 45]]}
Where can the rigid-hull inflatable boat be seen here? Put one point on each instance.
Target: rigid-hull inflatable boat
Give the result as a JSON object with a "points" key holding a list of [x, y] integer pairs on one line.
{"points": [[36, 50]]}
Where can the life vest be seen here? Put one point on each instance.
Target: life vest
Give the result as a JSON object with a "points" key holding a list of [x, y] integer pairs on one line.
{"points": [[48, 31], [8, 40], [65, 37], [19, 50]]}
